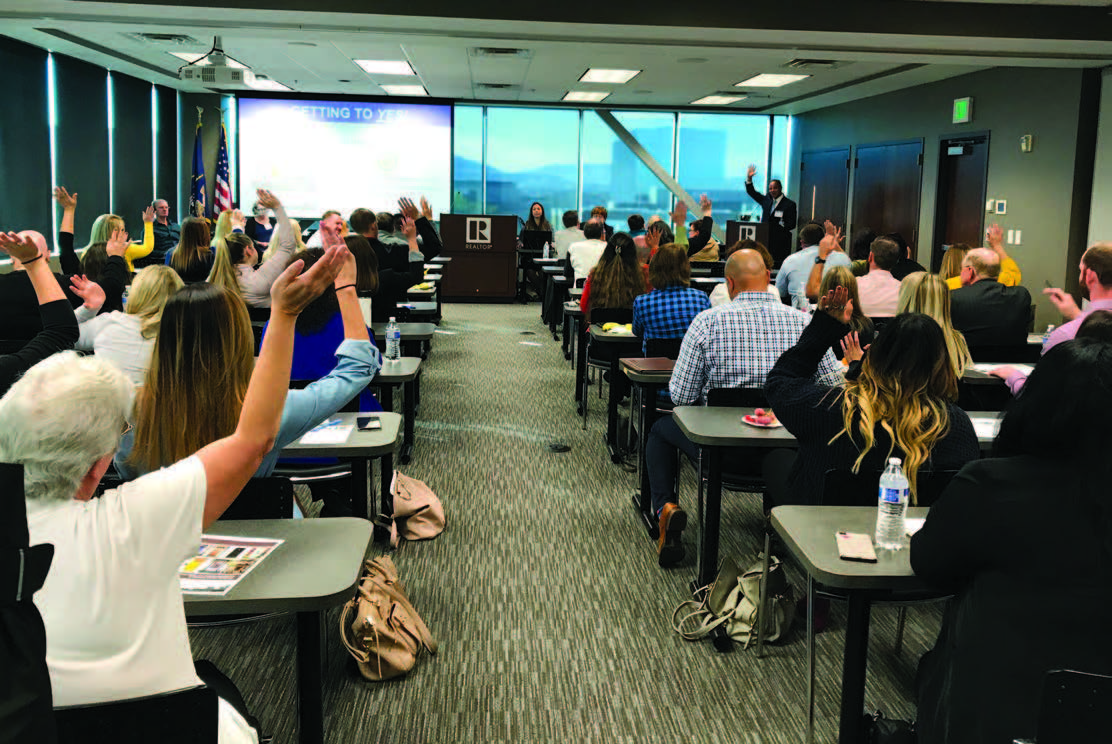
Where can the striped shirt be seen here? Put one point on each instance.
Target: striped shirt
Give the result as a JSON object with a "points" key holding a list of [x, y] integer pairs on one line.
{"points": [[737, 344]]}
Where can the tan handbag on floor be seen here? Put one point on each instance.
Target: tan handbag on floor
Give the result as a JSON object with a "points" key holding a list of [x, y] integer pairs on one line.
{"points": [[380, 627], [418, 513]]}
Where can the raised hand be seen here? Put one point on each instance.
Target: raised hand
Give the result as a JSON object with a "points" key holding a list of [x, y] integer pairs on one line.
{"points": [[330, 235], [705, 205], [238, 220], [1064, 302], [751, 172], [22, 249], [65, 199], [851, 347], [995, 235], [409, 228], [117, 244], [652, 239], [89, 291], [292, 291], [349, 272], [148, 214], [426, 209], [407, 208], [837, 305], [831, 240], [679, 214], [267, 199]]}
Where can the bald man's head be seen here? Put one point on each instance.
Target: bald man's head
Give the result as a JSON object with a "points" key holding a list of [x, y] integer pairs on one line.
{"points": [[985, 265], [40, 243], [746, 272]]}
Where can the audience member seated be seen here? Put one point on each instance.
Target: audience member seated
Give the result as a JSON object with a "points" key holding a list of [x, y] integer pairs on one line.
{"points": [[791, 281], [537, 221], [658, 233], [951, 263], [583, 256], [984, 310], [112, 604], [906, 265], [859, 324], [260, 228], [295, 236], [900, 403], [636, 225], [1096, 325], [720, 295], [729, 346], [571, 233], [1010, 275], [192, 258], [829, 250], [387, 232], [230, 221], [106, 225], [97, 264], [928, 294], [206, 335], [879, 290], [57, 323], [601, 214], [315, 240], [1031, 524], [859, 246], [1095, 282], [616, 280], [667, 311], [395, 270], [699, 235], [167, 233], [126, 339], [236, 256]]}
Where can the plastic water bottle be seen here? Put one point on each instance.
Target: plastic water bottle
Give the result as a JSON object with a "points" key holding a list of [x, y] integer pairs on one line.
{"points": [[393, 340], [546, 250], [892, 507], [1049, 330]]}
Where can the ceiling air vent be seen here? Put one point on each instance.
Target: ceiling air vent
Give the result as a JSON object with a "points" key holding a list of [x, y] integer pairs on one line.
{"points": [[811, 64], [164, 38], [500, 52], [497, 86]]}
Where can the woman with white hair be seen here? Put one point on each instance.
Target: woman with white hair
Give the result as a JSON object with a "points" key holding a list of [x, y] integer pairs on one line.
{"points": [[112, 605]]}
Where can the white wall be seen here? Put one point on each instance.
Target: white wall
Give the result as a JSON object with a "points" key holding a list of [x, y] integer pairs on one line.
{"points": [[1100, 215]]}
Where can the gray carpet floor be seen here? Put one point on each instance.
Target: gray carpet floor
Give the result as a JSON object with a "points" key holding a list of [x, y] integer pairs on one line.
{"points": [[552, 615]]}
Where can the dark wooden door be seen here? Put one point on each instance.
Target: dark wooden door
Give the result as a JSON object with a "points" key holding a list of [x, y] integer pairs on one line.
{"points": [[962, 189], [886, 184], [824, 186]]}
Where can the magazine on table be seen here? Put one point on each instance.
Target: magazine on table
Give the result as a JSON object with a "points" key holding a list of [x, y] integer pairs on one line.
{"points": [[222, 561]]}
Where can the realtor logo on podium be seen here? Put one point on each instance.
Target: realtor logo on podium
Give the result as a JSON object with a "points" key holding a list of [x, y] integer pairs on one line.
{"points": [[478, 230]]}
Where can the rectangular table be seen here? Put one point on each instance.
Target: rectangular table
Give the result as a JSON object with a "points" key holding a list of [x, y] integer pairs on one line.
{"points": [[401, 373], [315, 569], [714, 428], [621, 345], [808, 534], [360, 448]]}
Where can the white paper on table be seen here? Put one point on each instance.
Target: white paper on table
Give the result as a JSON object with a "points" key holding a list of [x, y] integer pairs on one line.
{"points": [[987, 368], [985, 427], [914, 524], [328, 435]]}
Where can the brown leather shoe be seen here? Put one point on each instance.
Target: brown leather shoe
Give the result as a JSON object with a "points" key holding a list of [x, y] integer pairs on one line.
{"points": [[669, 546]]}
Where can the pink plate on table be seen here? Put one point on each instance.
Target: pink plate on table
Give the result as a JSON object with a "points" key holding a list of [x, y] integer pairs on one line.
{"points": [[752, 421]]}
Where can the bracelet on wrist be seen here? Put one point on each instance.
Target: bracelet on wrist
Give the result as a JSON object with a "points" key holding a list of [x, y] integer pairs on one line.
{"points": [[345, 286], [31, 260]]}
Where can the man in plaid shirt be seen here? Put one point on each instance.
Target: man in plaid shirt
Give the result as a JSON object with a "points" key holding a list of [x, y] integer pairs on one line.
{"points": [[729, 346]]}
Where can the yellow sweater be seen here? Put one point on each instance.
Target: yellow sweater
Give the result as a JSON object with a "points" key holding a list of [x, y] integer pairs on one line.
{"points": [[1010, 275], [139, 250]]}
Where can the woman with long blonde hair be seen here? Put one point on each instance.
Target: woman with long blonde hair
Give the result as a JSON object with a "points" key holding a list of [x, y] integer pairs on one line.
{"points": [[925, 293], [192, 257], [951, 261], [106, 225], [901, 403], [237, 256], [229, 221], [859, 323], [201, 366]]}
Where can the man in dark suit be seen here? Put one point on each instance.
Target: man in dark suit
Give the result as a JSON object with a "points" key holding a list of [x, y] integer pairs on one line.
{"points": [[778, 212], [983, 309]]}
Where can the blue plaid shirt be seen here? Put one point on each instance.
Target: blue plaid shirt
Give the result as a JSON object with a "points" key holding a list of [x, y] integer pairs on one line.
{"points": [[666, 313], [736, 345]]}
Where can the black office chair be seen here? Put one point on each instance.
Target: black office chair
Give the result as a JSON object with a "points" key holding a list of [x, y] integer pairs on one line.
{"points": [[189, 716], [600, 356], [261, 498], [734, 477], [1074, 707], [663, 347], [1007, 353]]}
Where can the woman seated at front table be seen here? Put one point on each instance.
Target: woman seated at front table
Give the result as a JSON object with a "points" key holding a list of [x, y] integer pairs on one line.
{"points": [[201, 366], [925, 293], [192, 257], [667, 311], [617, 279], [900, 404], [236, 256], [112, 604], [1024, 542], [859, 323]]}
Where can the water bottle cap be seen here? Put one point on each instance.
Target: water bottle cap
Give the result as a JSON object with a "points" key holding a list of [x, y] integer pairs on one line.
{"points": [[391, 319], [895, 461]]}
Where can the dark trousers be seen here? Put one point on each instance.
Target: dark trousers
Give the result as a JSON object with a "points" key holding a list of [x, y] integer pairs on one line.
{"points": [[776, 467], [219, 683]]}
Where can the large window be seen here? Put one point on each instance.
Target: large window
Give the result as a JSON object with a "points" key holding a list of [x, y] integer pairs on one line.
{"points": [[614, 177], [714, 152], [467, 160], [532, 155], [782, 152]]}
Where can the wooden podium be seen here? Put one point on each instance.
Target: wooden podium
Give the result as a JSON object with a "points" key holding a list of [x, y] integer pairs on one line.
{"points": [[484, 256], [737, 230]]}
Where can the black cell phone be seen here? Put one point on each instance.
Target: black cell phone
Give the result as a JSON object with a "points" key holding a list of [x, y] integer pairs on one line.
{"points": [[368, 423]]}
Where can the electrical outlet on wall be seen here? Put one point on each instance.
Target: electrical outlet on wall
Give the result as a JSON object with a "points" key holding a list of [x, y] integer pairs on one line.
{"points": [[1018, 237], [990, 205]]}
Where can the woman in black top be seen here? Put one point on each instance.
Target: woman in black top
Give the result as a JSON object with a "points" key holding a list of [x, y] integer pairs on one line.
{"points": [[1024, 542], [536, 219], [260, 228], [900, 404]]}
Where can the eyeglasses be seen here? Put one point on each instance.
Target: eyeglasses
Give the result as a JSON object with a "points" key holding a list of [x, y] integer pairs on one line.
{"points": [[127, 427]]}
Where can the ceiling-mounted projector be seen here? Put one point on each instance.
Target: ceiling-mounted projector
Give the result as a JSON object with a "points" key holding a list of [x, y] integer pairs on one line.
{"points": [[215, 69]]}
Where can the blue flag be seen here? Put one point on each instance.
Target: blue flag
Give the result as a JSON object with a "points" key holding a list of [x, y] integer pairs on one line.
{"points": [[197, 186]]}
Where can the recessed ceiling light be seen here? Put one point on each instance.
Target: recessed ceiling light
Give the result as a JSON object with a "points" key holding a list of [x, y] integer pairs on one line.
{"points": [[770, 81], [192, 57], [265, 84], [405, 90], [385, 67], [717, 100], [599, 75], [593, 96]]}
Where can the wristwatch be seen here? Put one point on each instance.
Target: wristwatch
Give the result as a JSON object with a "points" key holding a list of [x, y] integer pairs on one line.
{"points": [[819, 260]]}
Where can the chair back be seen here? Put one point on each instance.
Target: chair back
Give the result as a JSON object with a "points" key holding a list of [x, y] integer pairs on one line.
{"points": [[261, 498], [1024, 353], [663, 347], [737, 397], [183, 717], [846, 488], [1074, 707]]}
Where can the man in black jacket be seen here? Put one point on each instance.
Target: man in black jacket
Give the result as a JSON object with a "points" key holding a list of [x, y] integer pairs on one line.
{"points": [[983, 309], [399, 267], [778, 212]]}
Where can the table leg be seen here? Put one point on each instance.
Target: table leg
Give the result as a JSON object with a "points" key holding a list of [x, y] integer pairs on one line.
{"points": [[853, 668], [417, 394], [580, 368], [387, 467], [711, 515], [643, 500], [612, 445], [310, 682], [408, 415], [566, 337], [360, 487]]}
